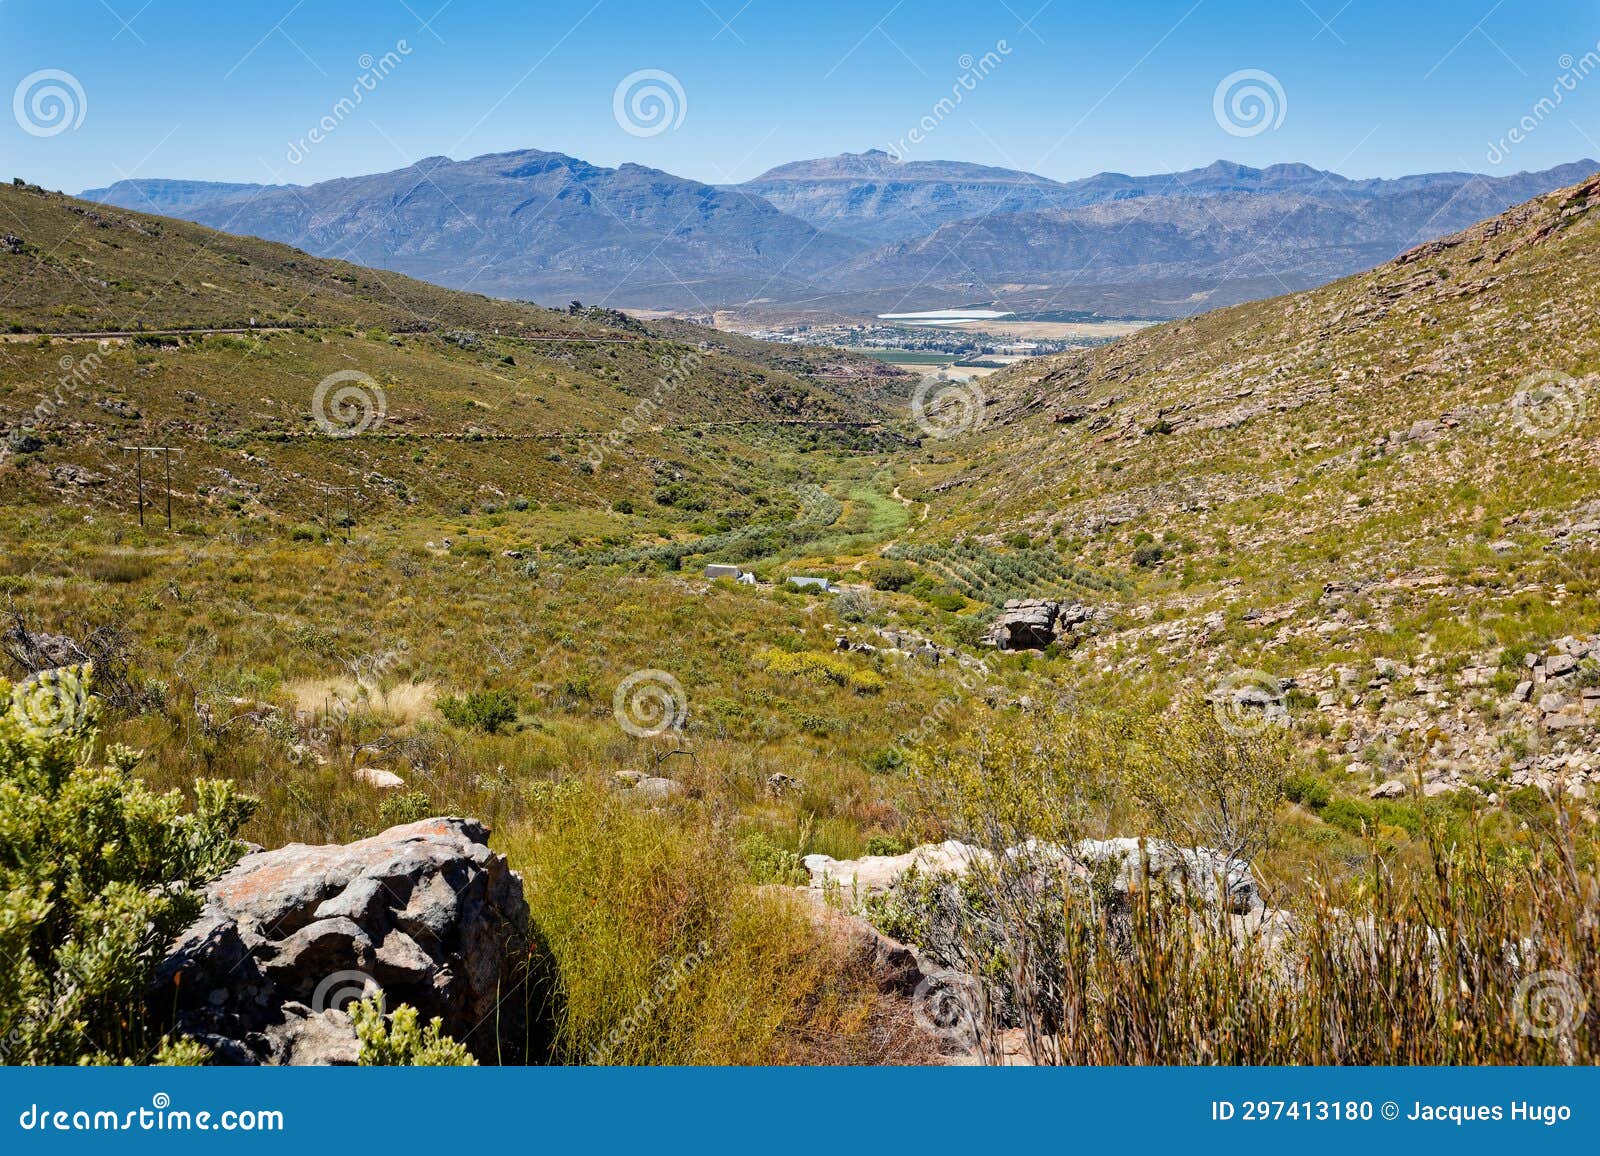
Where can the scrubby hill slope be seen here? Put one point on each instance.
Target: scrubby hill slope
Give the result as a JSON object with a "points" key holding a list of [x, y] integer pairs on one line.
{"points": [[1397, 467], [454, 396]]}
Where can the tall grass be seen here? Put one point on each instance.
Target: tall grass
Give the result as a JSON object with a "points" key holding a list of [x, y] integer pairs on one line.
{"points": [[1463, 950], [656, 950]]}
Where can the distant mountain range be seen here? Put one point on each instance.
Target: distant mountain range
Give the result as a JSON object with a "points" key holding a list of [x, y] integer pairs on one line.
{"points": [[856, 233]]}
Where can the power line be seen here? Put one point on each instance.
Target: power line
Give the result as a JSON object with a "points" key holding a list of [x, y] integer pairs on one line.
{"points": [[166, 453]]}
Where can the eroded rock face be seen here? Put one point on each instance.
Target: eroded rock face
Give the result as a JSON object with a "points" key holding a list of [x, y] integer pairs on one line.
{"points": [[288, 938], [1028, 624]]}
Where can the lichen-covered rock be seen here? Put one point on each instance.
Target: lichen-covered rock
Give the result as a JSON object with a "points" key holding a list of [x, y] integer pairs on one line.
{"points": [[424, 912]]}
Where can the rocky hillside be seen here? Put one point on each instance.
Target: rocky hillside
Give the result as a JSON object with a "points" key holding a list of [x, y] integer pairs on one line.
{"points": [[1374, 499]]}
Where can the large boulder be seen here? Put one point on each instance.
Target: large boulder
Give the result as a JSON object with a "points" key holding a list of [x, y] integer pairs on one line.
{"points": [[287, 939], [1204, 873], [1026, 624]]}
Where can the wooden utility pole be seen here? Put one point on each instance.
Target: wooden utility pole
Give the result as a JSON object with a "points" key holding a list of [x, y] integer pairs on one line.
{"points": [[166, 452], [349, 492]]}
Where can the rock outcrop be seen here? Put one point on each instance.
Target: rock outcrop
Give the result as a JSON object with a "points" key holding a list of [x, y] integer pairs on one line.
{"points": [[1205, 874], [424, 912], [1028, 624]]}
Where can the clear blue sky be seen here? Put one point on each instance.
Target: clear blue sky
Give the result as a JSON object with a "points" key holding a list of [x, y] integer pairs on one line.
{"points": [[221, 90]]}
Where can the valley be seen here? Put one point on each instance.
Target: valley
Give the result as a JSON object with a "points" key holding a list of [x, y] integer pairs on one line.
{"points": [[437, 554]]}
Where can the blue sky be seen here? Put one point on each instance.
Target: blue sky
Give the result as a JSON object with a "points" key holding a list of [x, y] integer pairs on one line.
{"points": [[230, 90]]}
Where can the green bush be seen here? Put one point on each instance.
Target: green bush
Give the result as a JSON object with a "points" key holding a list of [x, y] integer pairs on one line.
{"points": [[97, 875], [890, 575], [488, 711], [396, 1041], [771, 863], [410, 807]]}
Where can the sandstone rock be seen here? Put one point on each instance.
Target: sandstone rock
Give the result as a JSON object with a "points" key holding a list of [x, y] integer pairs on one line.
{"points": [[780, 783], [1205, 873], [655, 789], [288, 938], [1559, 665], [878, 873], [1028, 624], [378, 778], [1392, 789]]}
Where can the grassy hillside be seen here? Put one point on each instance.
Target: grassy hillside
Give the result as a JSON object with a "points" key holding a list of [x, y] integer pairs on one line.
{"points": [[1382, 489]]}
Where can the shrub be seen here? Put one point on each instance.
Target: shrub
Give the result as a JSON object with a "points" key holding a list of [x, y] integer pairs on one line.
{"points": [[410, 807], [890, 575], [820, 666], [483, 710], [771, 863], [97, 875], [657, 951], [395, 1041]]}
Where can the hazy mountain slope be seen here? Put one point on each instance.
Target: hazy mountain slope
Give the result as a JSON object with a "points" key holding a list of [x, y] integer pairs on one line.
{"points": [[544, 226], [167, 197], [1294, 239], [856, 233], [872, 197]]}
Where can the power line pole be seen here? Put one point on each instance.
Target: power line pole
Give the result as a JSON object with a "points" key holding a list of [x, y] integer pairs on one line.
{"points": [[350, 495], [166, 452]]}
